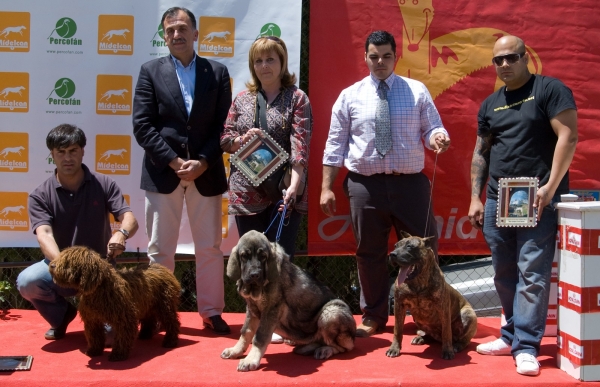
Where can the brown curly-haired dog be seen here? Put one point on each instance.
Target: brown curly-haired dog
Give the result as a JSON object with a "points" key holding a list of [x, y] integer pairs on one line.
{"points": [[120, 298]]}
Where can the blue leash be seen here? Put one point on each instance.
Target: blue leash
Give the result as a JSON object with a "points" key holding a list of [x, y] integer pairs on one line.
{"points": [[281, 221]]}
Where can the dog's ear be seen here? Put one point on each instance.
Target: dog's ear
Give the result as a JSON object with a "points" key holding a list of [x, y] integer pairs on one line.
{"points": [[234, 270], [276, 253], [404, 234], [93, 270], [428, 241]]}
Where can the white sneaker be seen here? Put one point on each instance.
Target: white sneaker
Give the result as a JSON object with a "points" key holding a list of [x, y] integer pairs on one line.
{"points": [[527, 364], [497, 347], [276, 339]]}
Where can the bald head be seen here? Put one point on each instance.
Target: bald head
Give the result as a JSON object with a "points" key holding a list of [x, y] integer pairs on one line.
{"points": [[510, 43]]}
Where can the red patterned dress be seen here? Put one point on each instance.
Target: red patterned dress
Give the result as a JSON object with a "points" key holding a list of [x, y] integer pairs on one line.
{"points": [[289, 120]]}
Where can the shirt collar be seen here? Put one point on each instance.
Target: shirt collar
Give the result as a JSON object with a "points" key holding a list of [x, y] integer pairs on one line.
{"points": [[87, 176], [178, 63], [389, 80]]}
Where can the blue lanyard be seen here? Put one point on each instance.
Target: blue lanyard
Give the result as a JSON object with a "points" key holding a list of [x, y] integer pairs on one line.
{"points": [[281, 221]]}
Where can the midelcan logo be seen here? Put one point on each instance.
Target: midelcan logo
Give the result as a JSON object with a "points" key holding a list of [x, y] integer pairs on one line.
{"points": [[63, 32], [14, 152], [64, 89], [14, 31], [114, 94], [13, 211], [115, 34], [269, 29], [14, 94], [216, 36], [160, 33], [113, 154]]}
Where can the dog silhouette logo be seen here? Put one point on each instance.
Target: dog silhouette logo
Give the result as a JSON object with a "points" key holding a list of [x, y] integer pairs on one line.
{"points": [[217, 36], [115, 34], [14, 31], [14, 92], [14, 152], [113, 154], [14, 215], [269, 29], [114, 94]]}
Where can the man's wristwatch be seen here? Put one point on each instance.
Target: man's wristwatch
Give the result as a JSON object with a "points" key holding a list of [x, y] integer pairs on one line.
{"points": [[124, 232]]}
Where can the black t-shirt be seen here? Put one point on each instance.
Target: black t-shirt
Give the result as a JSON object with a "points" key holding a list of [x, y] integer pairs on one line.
{"points": [[79, 218], [523, 140]]}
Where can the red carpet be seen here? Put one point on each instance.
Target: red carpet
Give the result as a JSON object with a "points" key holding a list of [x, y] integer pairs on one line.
{"points": [[197, 361]]}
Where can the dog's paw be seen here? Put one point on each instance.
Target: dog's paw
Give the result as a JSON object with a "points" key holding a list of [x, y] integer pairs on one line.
{"points": [[418, 340], [170, 343], [230, 353], [323, 353], [248, 365], [393, 351], [448, 355]]}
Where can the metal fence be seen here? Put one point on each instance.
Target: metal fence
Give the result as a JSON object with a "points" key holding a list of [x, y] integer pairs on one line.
{"points": [[471, 275]]}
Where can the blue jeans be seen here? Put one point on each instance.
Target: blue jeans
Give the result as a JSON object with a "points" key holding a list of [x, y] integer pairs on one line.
{"points": [[259, 222], [35, 285], [522, 258]]}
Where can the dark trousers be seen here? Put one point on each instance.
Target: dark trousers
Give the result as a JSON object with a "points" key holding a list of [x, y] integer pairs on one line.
{"points": [[261, 221], [378, 203]]}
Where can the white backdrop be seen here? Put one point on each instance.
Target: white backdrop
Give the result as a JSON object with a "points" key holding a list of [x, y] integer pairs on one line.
{"points": [[78, 62]]}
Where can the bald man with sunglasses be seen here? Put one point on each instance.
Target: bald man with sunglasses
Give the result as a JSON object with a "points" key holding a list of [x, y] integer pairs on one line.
{"points": [[528, 128]]}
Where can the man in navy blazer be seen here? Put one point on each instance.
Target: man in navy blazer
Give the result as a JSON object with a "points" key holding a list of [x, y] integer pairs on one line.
{"points": [[180, 105]]}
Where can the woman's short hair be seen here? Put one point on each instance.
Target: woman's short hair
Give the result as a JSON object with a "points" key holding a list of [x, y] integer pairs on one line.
{"points": [[266, 44]]}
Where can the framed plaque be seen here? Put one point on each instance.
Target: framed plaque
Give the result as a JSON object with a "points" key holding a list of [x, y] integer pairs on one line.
{"points": [[259, 158], [15, 363], [516, 196]]}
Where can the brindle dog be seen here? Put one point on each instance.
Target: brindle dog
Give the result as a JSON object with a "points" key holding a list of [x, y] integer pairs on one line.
{"points": [[439, 311]]}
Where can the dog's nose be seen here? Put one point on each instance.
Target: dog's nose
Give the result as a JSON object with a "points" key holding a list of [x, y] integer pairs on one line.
{"points": [[255, 275]]}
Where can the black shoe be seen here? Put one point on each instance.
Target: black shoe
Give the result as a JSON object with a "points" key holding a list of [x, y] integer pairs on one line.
{"points": [[59, 332], [217, 324]]}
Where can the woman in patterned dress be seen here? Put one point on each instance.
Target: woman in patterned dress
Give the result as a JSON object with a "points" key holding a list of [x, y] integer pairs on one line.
{"points": [[289, 121]]}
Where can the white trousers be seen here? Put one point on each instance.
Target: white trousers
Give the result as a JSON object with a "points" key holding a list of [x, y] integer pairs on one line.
{"points": [[163, 221]]}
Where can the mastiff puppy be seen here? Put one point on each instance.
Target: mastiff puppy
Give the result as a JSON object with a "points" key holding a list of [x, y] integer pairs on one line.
{"points": [[282, 298], [439, 311]]}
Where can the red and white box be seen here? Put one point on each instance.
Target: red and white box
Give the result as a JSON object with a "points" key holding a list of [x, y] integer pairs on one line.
{"points": [[578, 336]]}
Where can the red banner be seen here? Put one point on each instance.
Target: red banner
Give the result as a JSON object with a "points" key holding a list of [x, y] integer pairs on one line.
{"points": [[447, 45]]}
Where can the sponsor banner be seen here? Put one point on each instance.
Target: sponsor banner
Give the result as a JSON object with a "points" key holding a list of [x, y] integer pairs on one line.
{"points": [[15, 31], [64, 63], [115, 35], [13, 211], [447, 46], [14, 152], [580, 352], [113, 154], [582, 242], [580, 300], [14, 92], [216, 36]]}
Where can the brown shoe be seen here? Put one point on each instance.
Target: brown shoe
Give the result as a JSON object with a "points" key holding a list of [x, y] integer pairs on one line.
{"points": [[217, 324], [367, 328]]}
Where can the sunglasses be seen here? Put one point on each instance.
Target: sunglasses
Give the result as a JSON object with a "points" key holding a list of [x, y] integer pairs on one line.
{"points": [[270, 37], [509, 58]]}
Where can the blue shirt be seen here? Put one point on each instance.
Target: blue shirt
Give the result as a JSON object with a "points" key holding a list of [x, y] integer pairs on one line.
{"points": [[414, 119], [187, 81]]}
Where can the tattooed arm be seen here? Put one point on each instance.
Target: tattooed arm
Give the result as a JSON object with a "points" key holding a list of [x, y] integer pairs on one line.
{"points": [[479, 174]]}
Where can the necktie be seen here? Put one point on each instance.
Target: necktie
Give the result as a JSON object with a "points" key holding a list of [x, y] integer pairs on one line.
{"points": [[383, 131]]}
